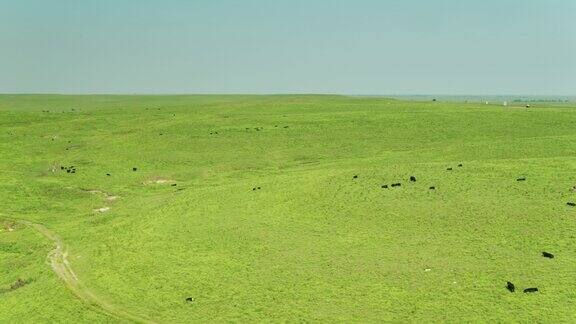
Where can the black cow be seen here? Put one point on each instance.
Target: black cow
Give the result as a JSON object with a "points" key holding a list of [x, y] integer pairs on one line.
{"points": [[355, 177], [189, 299], [432, 188], [548, 255], [510, 286], [108, 174], [530, 290], [521, 179], [413, 178], [396, 184], [571, 204], [460, 165], [449, 169], [385, 186], [134, 169]]}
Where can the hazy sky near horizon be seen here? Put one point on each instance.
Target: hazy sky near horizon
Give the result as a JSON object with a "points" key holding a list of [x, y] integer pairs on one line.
{"points": [[296, 46]]}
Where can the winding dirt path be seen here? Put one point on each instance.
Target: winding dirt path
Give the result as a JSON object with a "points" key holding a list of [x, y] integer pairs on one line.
{"points": [[58, 259]]}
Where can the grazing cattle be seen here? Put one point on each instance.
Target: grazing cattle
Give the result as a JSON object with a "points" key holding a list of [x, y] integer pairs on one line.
{"points": [[385, 186], [189, 299], [61, 168], [174, 185], [396, 184], [259, 188], [548, 255], [253, 189], [521, 179], [355, 177], [527, 106], [108, 174], [413, 178], [510, 286], [460, 165], [530, 290], [68, 170], [571, 204], [432, 188], [449, 169], [134, 169]]}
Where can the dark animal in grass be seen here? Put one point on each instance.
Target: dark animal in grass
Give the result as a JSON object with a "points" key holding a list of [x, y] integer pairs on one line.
{"points": [[449, 169], [521, 179], [385, 186], [413, 178], [396, 184], [108, 174], [510, 286], [189, 299], [259, 188], [530, 290], [548, 255], [68, 170], [174, 185], [460, 165], [571, 204], [355, 177], [432, 188], [134, 169], [253, 189]]}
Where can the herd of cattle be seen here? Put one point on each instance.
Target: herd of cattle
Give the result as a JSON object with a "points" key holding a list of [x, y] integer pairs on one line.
{"points": [[509, 285]]}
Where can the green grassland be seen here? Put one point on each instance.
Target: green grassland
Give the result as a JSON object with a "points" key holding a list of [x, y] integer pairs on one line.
{"points": [[313, 244]]}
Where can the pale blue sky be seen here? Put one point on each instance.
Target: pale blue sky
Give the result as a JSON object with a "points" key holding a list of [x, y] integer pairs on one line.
{"points": [[280, 46]]}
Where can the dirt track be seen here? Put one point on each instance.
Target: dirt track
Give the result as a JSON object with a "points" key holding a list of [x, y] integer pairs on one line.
{"points": [[58, 259]]}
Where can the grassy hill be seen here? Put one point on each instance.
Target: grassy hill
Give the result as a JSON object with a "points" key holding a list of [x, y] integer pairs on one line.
{"points": [[248, 206]]}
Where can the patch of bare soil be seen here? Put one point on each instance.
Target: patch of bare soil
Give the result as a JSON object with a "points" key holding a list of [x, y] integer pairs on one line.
{"points": [[158, 181]]}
